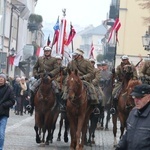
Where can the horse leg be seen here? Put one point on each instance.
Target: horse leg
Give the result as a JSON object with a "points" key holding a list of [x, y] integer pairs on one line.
{"points": [[38, 140], [81, 120], [107, 119], [60, 127], [122, 119], [114, 120], [90, 132], [73, 128], [66, 130]]}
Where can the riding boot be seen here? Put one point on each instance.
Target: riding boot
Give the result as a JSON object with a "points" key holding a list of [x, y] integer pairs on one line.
{"points": [[59, 103], [96, 110], [114, 105], [30, 107]]}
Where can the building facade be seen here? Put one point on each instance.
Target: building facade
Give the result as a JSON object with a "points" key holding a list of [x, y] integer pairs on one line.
{"points": [[15, 35], [132, 29]]}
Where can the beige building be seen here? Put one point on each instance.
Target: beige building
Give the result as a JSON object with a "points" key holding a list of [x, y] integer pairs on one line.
{"points": [[131, 31]]}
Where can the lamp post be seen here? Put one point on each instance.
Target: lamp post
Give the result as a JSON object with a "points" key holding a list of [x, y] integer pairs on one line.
{"points": [[146, 40]]}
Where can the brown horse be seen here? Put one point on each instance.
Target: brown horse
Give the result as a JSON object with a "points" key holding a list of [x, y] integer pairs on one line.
{"points": [[46, 110], [78, 110], [125, 101]]}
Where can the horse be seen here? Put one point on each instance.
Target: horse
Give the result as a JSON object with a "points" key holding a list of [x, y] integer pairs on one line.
{"points": [[78, 110], [46, 110], [125, 101], [63, 118]]}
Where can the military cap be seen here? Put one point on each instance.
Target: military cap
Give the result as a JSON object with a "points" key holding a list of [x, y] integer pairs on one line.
{"points": [[47, 48], [124, 57], [104, 63], [141, 90], [98, 64], [79, 51], [58, 57], [92, 60]]}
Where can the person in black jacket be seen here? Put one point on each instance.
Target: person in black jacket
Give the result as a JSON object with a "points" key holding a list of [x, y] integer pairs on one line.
{"points": [[7, 100], [137, 135]]}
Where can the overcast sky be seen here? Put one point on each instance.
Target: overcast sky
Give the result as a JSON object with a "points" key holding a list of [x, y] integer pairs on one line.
{"points": [[81, 12]]}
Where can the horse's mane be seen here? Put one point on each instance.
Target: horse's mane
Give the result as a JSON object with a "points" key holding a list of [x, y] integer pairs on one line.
{"points": [[133, 83]]}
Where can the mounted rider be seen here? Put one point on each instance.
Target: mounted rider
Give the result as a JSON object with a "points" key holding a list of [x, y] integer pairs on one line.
{"points": [[95, 82], [86, 74], [118, 81], [47, 64]]}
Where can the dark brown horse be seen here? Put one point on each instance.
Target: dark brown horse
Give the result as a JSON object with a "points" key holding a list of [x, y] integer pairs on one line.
{"points": [[78, 110], [46, 110], [125, 101]]}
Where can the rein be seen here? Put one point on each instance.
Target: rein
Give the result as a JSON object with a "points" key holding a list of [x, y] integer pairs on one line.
{"points": [[77, 97]]}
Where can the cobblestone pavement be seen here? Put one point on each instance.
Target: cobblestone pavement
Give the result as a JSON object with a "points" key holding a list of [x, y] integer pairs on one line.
{"points": [[20, 135]]}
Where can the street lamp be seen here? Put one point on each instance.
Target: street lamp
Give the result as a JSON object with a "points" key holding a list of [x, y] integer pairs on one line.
{"points": [[146, 40]]}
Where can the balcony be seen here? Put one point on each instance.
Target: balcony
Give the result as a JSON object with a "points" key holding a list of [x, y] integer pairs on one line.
{"points": [[21, 6]]}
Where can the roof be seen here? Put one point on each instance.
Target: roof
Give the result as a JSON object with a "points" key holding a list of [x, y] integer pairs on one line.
{"points": [[99, 30]]}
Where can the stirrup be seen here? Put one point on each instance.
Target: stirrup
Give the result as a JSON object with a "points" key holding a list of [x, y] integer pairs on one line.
{"points": [[112, 111], [28, 107], [96, 111]]}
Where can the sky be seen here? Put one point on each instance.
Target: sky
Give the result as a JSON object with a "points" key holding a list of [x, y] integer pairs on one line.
{"points": [[79, 12]]}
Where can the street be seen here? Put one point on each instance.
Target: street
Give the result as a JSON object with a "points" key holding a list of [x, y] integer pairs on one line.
{"points": [[20, 135]]}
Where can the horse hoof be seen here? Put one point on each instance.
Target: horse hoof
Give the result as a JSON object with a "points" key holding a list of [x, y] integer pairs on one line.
{"points": [[93, 142], [66, 140], [38, 141], [42, 145], [51, 141], [58, 139], [89, 144], [47, 143], [106, 129]]}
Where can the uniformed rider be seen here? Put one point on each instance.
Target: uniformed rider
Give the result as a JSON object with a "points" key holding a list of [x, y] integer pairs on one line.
{"points": [[86, 74], [118, 81], [95, 82], [47, 64]]}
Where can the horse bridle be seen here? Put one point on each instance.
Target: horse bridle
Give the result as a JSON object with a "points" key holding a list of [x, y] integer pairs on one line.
{"points": [[75, 97]]}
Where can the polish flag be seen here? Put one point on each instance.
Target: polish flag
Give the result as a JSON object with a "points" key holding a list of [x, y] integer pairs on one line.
{"points": [[39, 52], [114, 30], [62, 37]]}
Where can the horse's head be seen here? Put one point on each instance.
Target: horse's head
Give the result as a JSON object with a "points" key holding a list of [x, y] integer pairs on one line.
{"points": [[74, 84], [128, 71], [46, 79], [131, 84]]}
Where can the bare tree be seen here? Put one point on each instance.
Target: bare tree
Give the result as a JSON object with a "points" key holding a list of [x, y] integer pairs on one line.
{"points": [[145, 4]]}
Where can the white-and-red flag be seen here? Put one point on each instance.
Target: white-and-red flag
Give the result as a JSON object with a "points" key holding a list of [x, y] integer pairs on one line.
{"points": [[71, 35], [114, 30], [91, 54], [62, 37], [39, 52]]}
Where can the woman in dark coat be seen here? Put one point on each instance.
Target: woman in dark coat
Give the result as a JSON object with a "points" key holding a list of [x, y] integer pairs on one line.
{"points": [[7, 100]]}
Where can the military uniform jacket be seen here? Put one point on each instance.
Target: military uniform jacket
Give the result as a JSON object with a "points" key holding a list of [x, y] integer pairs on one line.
{"points": [[49, 65], [84, 68], [97, 77], [119, 71], [146, 68]]}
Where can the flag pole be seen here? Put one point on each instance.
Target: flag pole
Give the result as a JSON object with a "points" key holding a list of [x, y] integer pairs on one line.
{"points": [[72, 40]]}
